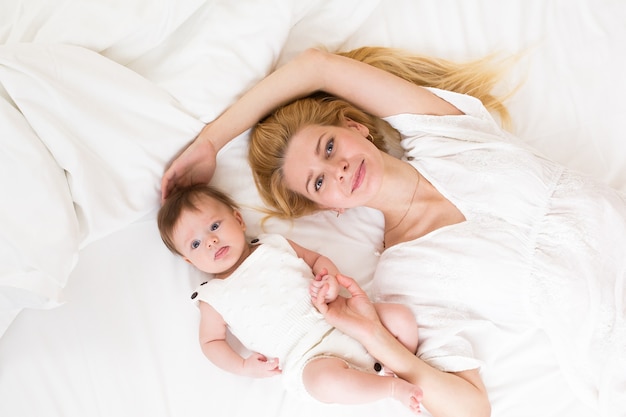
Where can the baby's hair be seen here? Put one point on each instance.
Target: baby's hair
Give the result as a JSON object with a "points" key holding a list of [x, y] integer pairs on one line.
{"points": [[184, 199]]}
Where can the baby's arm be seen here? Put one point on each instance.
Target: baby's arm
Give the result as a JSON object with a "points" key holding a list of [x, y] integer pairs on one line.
{"points": [[320, 264], [217, 350], [324, 271]]}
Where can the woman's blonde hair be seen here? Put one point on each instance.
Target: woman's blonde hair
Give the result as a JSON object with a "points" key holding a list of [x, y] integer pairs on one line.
{"points": [[271, 136]]}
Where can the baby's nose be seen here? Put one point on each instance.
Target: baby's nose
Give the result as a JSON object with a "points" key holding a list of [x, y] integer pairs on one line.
{"points": [[211, 241]]}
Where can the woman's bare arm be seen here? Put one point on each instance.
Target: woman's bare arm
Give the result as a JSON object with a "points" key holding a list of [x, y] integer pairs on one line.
{"points": [[369, 88], [374, 90], [357, 317]]}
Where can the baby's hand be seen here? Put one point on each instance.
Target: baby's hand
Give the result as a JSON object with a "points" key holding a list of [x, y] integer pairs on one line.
{"points": [[329, 281], [258, 366]]}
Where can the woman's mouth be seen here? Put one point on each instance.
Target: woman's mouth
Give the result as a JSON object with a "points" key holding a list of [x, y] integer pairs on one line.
{"points": [[221, 252], [358, 176]]}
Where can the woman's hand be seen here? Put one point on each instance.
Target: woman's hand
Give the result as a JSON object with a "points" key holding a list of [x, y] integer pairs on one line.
{"points": [[196, 164], [355, 316]]}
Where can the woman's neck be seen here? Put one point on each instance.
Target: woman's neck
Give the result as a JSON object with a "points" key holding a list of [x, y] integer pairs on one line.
{"points": [[411, 205], [400, 192], [397, 188]]}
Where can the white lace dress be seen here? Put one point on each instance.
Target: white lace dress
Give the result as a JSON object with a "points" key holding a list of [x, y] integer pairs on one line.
{"points": [[542, 247]]}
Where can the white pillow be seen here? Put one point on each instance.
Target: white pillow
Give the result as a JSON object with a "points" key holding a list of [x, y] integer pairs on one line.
{"points": [[111, 130], [82, 157], [39, 231], [325, 24], [122, 30], [227, 46], [219, 53]]}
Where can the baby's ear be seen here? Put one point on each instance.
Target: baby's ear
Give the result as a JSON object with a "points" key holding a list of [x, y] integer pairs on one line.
{"points": [[239, 218]]}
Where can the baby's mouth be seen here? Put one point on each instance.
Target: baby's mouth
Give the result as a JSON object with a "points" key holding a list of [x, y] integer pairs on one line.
{"points": [[221, 252]]}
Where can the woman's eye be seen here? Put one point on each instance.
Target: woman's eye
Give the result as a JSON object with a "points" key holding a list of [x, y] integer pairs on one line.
{"points": [[195, 244], [329, 147], [318, 183], [214, 227]]}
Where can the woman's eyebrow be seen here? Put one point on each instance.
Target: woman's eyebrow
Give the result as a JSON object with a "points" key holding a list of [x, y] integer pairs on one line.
{"points": [[308, 180], [317, 147], [317, 153]]}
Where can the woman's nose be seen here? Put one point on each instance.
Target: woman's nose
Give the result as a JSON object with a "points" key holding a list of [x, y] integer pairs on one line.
{"points": [[342, 168]]}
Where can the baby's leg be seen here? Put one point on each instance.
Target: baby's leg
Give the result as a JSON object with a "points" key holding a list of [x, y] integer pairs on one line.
{"points": [[400, 321], [331, 380]]}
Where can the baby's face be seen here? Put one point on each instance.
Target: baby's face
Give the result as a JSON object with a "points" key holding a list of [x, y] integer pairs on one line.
{"points": [[212, 238]]}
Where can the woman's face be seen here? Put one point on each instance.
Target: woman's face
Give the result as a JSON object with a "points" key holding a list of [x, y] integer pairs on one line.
{"points": [[336, 167]]}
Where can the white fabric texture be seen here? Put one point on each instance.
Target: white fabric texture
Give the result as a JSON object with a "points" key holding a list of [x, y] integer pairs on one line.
{"points": [[36, 215], [90, 138], [549, 242], [103, 129]]}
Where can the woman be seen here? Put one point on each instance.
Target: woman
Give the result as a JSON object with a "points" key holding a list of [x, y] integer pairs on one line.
{"points": [[467, 206]]}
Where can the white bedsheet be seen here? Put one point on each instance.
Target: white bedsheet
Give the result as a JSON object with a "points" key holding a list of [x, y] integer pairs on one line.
{"points": [[97, 96]]}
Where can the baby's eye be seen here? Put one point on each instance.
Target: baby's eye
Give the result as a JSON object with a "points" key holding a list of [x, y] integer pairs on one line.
{"points": [[195, 244], [318, 183], [214, 226], [329, 146]]}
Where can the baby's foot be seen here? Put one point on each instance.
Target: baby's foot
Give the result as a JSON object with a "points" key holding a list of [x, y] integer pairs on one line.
{"points": [[408, 394]]}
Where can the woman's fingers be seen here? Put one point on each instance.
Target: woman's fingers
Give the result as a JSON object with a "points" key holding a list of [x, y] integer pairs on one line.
{"points": [[196, 164], [350, 284]]}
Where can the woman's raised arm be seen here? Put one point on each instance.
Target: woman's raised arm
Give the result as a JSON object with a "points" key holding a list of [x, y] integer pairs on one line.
{"points": [[196, 163], [374, 90]]}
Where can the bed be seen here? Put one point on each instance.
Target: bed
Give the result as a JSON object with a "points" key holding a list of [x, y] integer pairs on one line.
{"points": [[97, 97]]}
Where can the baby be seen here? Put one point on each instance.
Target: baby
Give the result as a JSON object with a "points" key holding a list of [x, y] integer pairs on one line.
{"points": [[262, 292]]}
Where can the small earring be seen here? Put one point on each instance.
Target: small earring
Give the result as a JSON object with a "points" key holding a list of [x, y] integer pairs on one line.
{"points": [[370, 137]]}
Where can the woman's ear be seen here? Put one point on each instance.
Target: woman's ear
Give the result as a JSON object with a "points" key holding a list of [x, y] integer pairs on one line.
{"points": [[337, 210], [361, 128]]}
